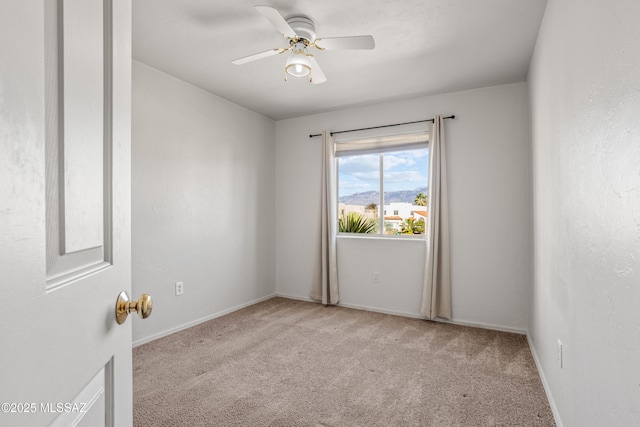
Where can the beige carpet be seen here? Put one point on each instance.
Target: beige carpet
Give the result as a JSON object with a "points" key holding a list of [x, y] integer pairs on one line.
{"points": [[292, 363]]}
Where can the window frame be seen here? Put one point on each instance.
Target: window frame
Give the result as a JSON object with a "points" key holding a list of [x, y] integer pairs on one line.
{"points": [[379, 145]]}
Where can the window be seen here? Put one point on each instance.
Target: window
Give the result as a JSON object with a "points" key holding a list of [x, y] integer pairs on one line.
{"points": [[388, 172]]}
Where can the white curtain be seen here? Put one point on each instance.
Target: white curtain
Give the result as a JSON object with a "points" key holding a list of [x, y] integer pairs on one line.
{"points": [[325, 281], [436, 291]]}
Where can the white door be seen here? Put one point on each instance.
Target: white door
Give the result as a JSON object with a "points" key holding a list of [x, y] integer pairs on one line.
{"points": [[65, 77]]}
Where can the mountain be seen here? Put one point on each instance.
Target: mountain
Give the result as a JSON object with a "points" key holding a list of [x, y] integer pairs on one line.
{"points": [[363, 199]]}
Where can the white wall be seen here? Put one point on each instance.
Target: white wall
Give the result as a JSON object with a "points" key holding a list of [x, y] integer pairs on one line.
{"points": [[585, 101], [203, 202], [490, 203]]}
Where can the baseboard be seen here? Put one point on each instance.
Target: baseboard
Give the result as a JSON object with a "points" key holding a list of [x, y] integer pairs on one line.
{"points": [[416, 316], [381, 310], [198, 321], [485, 326], [295, 297], [355, 306], [545, 384]]}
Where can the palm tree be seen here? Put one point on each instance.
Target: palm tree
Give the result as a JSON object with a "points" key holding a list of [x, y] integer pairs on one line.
{"points": [[418, 226], [411, 226], [356, 223], [420, 200]]}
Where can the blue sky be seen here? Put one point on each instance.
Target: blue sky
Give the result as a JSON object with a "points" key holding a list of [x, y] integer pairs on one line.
{"points": [[403, 170]]}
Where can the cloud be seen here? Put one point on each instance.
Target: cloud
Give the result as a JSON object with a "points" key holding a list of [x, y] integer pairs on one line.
{"points": [[346, 188], [402, 170], [353, 164], [391, 161], [411, 159], [404, 176], [367, 176]]}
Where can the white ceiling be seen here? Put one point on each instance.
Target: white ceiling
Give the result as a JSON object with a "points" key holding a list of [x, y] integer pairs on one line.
{"points": [[422, 47]]}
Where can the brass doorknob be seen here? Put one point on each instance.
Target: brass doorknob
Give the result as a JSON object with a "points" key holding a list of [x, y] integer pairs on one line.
{"points": [[124, 306]]}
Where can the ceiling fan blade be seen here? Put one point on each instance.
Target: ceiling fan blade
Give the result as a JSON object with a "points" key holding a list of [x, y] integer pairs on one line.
{"points": [[256, 56], [317, 76], [277, 20], [354, 42]]}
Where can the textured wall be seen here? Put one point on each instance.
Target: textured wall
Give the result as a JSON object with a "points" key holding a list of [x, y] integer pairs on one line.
{"points": [[585, 101], [490, 209], [203, 202]]}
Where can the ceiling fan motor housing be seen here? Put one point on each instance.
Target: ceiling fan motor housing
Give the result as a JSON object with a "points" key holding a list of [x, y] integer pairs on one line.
{"points": [[304, 27]]}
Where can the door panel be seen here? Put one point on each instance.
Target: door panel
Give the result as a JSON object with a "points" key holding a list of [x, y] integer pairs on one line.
{"points": [[82, 121], [65, 93], [88, 408], [78, 69]]}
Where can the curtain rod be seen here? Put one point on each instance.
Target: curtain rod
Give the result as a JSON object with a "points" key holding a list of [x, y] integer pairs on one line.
{"points": [[383, 126]]}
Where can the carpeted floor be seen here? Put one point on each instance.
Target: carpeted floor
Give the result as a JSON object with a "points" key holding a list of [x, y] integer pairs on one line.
{"points": [[291, 363]]}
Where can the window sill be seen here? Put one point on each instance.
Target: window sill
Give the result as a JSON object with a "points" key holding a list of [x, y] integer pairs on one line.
{"points": [[407, 237]]}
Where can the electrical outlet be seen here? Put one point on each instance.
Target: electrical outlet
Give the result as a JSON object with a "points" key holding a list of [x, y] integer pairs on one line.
{"points": [[560, 356], [179, 288], [376, 277]]}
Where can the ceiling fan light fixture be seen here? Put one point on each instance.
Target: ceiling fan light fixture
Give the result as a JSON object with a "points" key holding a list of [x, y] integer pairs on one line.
{"points": [[298, 63], [301, 33]]}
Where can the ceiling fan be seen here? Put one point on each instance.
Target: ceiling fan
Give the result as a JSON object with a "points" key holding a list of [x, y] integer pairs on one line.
{"points": [[301, 33]]}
